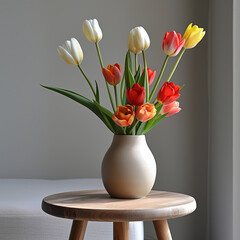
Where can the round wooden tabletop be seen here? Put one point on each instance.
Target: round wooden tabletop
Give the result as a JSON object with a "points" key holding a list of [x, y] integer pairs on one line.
{"points": [[97, 205]]}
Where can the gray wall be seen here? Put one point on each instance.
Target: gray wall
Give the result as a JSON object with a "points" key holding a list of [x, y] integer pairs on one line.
{"points": [[44, 135]]}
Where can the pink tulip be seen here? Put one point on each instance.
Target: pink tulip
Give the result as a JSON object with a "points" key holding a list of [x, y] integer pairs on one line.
{"points": [[171, 108], [172, 43]]}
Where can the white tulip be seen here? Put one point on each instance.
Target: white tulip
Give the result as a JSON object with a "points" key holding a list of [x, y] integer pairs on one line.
{"points": [[138, 40], [92, 31], [71, 52]]}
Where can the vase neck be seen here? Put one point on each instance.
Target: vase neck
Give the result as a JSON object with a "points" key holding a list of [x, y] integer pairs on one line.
{"points": [[129, 139]]}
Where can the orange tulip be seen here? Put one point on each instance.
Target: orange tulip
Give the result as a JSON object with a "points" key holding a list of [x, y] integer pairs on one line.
{"points": [[145, 112], [124, 116], [112, 74]]}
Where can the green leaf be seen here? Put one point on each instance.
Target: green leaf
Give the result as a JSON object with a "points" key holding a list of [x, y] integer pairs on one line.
{"points": [[108, 114], [142, 80], [137, 75], [128, 72], [181, 87], [141, 128], [80, 99], [97, 92], [103, 109], [156, 121]]}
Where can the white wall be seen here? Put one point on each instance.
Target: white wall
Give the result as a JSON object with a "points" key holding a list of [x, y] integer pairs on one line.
{"points": [[224, 116], [44, 135], [236, 119]]}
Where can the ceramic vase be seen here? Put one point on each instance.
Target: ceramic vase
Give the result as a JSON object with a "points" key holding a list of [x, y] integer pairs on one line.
{"points": [[128, 167]]}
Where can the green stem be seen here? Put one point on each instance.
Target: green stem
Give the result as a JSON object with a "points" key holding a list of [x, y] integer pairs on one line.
{"points": [[89, 83], [136, 63], [145, 69], [159, 77], [116, 96], [107, 86], [175, 66], [124, 130], [99, 55], [133, 126]]}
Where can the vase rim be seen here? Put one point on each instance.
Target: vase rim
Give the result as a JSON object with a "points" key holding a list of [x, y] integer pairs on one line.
{"points": [[130, 136]]}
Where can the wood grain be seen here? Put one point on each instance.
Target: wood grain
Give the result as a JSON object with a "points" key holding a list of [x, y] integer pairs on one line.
{"points": [[78, 230], [121, 230], [162, 230], [97, 205]]}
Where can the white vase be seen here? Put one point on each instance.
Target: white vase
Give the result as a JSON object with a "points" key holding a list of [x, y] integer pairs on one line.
{"points": [[128, 167]]}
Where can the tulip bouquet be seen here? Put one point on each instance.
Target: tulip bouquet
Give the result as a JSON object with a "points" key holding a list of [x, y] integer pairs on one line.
{"points": [[139, 110]]}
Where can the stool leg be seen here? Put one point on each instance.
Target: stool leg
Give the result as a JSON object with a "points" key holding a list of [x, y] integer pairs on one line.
{"points": [[78, 230], [121, 230], [162, 230]]}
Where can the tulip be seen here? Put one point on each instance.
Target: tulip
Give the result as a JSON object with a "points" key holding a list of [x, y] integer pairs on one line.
{"points": [[151, 75], [171, 108], [71, 52], [172, 43], [136, 95], [92, 31], [124, 116], [138, 40], [168, 93], [145, 112], [193, 36], [112, 74]]}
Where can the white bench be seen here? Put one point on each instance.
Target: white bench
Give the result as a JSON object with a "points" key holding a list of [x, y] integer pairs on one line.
{"points": [[21, 217]]}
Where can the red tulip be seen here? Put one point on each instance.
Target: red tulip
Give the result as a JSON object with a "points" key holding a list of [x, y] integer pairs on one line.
{"points": [[172, 43], [168, 93], [171, 108], [145, 112], [124, 116], [136, 95], [112, 74], [151, 75]]}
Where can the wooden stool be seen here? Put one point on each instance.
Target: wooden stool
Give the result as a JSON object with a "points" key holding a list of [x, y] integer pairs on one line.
{"points": [[97, 205]]}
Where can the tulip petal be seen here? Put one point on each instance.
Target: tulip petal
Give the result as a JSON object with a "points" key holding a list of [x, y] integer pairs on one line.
{"points": [[97, 30], [88, 31], [66, 56], [76, 51], [138, 39]]}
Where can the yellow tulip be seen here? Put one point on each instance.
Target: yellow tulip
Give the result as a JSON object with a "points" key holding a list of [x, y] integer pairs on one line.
{"points": [[193, 36]]}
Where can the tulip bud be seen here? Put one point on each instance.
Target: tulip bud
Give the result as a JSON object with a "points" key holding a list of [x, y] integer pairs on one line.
{"points": [[145, 112], [172, 43], [138, 40], [151, 75], [124, 116], [168, 93], [92, 31], [193, 36], [136, 95], [171, 108], [71, 52], [112, 74]]}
